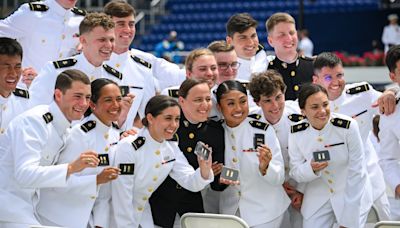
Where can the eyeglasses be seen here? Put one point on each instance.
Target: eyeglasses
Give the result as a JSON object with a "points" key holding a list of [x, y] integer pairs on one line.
{"points": [[225, 66]]}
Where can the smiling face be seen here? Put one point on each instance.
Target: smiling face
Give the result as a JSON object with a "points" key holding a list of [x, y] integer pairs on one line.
{"points": [[124, 33], [10, 73], [332, 79], [272, 106], [197, 104], [245, 43], [234, 107], [317, 110], [204, 67], [227, 66], [164, 125], [283, 38], [98, 45], [108, 106], [74, 101]]}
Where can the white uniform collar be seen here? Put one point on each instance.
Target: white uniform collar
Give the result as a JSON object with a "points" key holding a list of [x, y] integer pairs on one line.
{"points": [[149, 138], [4, 100], [58, 9], [100, 126], [60, 122], [118, 60], [86, 65]]}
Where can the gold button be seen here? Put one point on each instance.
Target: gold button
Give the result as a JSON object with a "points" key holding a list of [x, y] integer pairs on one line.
{"points": [[155, 178], [60, 55], [157, 166], [117, 65], [234, 160], [106, 149], [296, 88], [140, 208], [191, 135], [62, 36], [331, 190], [92, 78], [330, 181], [4, 107], [157, 152], [106, 135], [326, 172], [150, 189], [189, 149], [233, 136], [93, 197], [1, 130], [145, 198], [293, 73], [233, 148], [319, 139]]}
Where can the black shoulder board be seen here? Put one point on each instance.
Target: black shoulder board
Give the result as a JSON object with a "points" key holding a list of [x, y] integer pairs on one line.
{"points": [[48, 117], [38, 7], [141, 61], [259, 125], [173, 93], [78, 11], [115, 125], [358, 89], [112, 71], [64, 63], [340, 123], [296, 117], [299, 127], [86, 127], [306, 58], [245, 84], [255, 116], [260, 48], [21, 93], [174, 138], [137, 143]]}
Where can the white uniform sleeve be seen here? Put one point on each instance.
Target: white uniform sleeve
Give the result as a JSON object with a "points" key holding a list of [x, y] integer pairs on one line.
{"points": [[15, 25], [186, 176], [389, 154], [300, 167], [27, 156], [122, 187], [42, 89], [101, 208], [276, 169], [356, 178]]}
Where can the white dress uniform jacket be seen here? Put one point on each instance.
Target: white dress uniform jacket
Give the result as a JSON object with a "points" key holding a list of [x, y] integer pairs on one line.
{"points": [[256, 64], [291, 115], [344, 182], [391, 36], [389, 155], [82, 201], [35, 139], [356, 101], [151, 162], [166, 73], [260, 199], [45, 30], [11, 107], [42, 87], [138, 76]]}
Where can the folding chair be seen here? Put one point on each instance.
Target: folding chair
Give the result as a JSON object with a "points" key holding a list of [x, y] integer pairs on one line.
{"points": [[201, 220], [387, 224]]}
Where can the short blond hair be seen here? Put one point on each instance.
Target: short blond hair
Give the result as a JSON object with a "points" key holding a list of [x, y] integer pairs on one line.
{"points": [[277, 18], [195, 54]]}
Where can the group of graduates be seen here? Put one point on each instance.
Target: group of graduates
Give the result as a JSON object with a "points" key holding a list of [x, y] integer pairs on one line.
{"points": [[95, 134]]}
